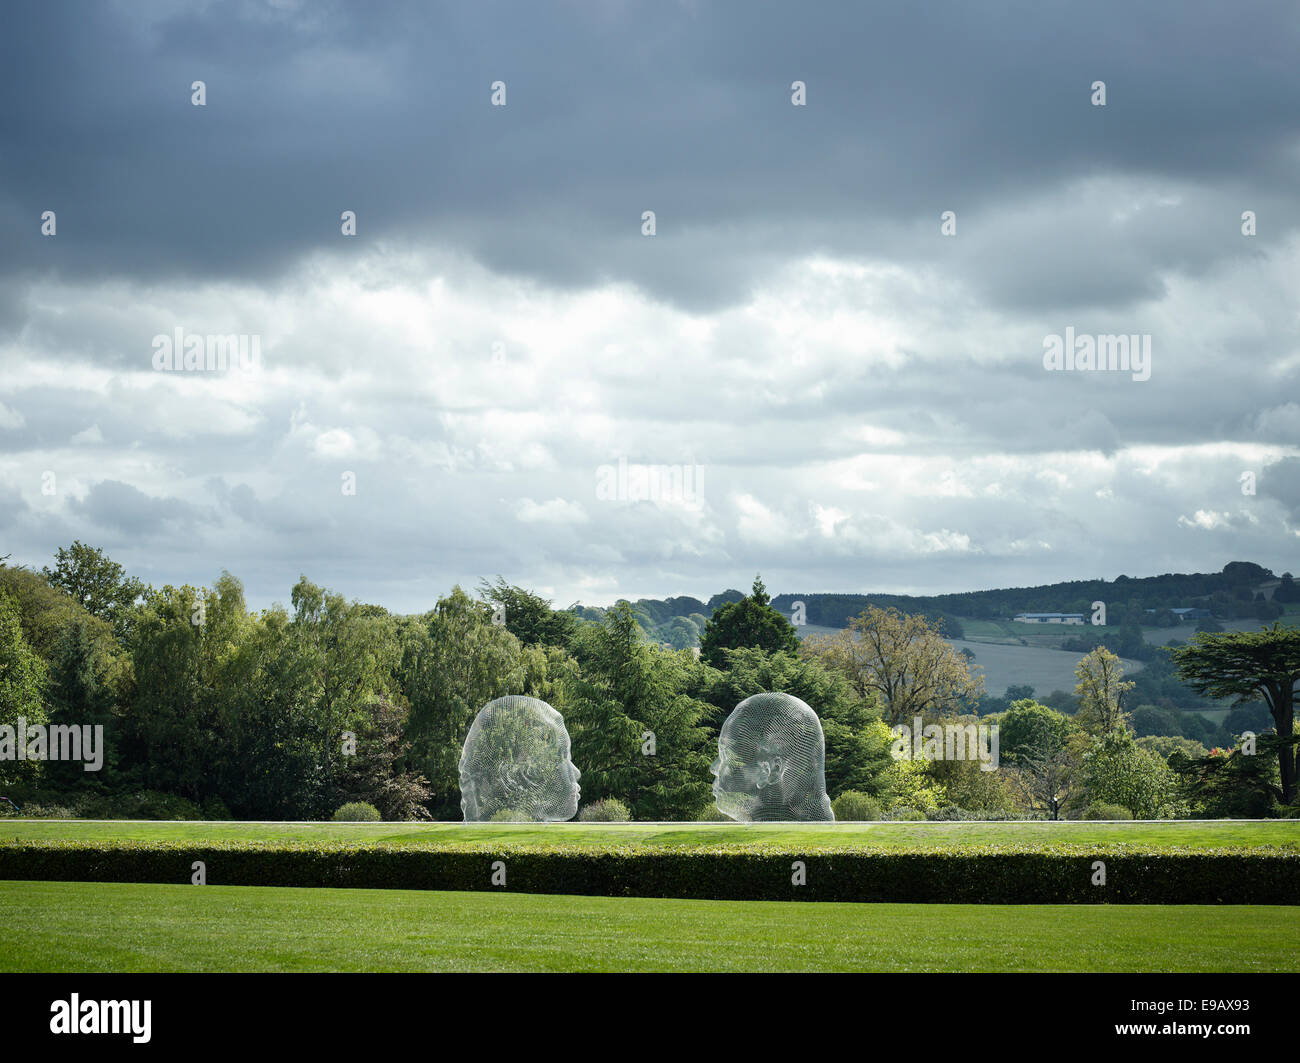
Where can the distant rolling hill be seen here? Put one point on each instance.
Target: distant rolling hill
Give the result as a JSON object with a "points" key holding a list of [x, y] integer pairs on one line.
{"points": [[1041, 667]]}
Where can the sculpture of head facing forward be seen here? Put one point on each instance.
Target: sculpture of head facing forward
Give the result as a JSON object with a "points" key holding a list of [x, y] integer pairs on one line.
{"points": [[771, 762], [515, 764]]}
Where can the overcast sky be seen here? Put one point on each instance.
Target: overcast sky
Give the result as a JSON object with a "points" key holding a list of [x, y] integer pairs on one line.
{"points": [[442, 397]]}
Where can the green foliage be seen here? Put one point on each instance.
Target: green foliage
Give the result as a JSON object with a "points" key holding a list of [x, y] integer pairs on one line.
{"points": [[213, 808], [966, 785], [957, 814], [128, 804], [855, 805], [374, 774], [1102, 810], [357, 812], [857, 743], [184, 671], [901, 662], [1029, 727], [23, 675], [23, 678], [748, 623], [1119, 772], [450, 668], [905, 812], [999, 875], [509, 815], [635, 726], [1252, 666], [46, 612], [97, 583], [1167, 745], [1101, 689], [1230, 782], [212, 710], [1251, 716], [33, 810], [606, 810], [906, 786], [1287, 591], [527, 616]]}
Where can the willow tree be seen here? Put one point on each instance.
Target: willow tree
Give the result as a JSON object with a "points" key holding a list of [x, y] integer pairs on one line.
{"points": [[1251, 666]]}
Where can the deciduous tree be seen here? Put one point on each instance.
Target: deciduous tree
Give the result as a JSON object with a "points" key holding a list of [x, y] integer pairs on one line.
{"points": [[902, 660]]}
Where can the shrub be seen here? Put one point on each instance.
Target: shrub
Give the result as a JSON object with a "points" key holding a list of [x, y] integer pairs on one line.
{"points": [[35, 811], [854, 805], [1117, 771], [905, 813], [357, 812], [215, 808], [1011, 874], [606, 810], [910, 786], [1106, 810], [134, 804], [509, 815], [151, 804]]}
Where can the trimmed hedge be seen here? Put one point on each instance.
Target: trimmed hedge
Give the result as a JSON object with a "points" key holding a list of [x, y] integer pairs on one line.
{"points": [[988, 875]]}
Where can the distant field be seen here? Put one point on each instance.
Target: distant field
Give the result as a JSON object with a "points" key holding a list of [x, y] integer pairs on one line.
{"points": [[1042, 668], [1010, 633], [1001, 652], [1161, 636], [1186, 833], [247, 928], [1049, 636], [1005, 661]]}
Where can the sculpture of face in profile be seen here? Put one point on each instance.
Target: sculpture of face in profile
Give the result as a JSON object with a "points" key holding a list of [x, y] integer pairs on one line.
{"points": [[516, 764], [771, 762]]}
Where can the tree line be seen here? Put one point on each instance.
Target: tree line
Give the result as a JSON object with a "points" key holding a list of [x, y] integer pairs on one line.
{"points": [[212, 710]]}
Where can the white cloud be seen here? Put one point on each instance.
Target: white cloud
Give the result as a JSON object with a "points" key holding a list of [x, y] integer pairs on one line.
{"points": [[553, 511], [10, 418], [915, 446], [1207, 519]]}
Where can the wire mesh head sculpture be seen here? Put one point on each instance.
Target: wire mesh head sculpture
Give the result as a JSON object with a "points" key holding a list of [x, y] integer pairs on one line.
{"points": [[516, 764], [771, 762]]}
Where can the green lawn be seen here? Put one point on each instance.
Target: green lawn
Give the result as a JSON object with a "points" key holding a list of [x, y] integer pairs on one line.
{"points": [[81, 927], [1187, 833]]}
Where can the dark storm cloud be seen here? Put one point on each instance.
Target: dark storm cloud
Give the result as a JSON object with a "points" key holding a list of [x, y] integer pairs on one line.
{"points": [[119, 507], [614, 109], [12, 505], [867, 397], [1282, 483]]}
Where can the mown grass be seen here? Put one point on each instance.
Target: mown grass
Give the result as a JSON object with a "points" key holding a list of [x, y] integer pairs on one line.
{"points": [[84, 927], [1186, 833]]}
